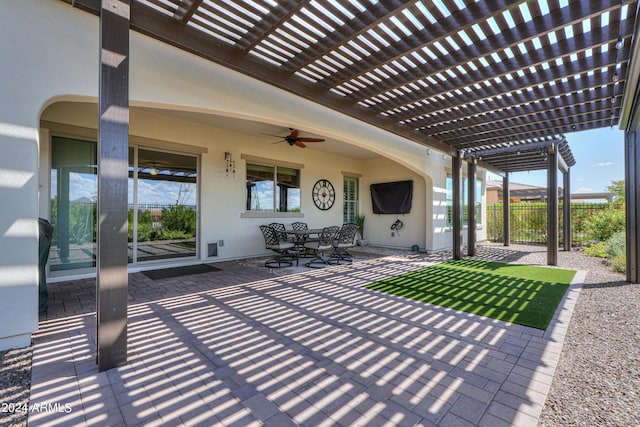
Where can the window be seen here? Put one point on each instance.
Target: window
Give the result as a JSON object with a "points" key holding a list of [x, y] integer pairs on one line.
{"points": [[162, 196], [350, 209], [273, 188], [465, 200]]}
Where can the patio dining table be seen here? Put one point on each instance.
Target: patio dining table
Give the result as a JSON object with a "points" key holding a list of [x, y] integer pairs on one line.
{"points": [[301, 236]]}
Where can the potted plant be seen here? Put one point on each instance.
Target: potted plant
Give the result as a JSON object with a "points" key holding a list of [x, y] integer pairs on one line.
{"points": [[361, 241]]}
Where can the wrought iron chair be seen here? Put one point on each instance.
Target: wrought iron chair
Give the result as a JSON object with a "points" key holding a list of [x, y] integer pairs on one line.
{"points": [[301, 239], [299, 226], [324, 243], [280, 230], [344, 240], [282, 258]]}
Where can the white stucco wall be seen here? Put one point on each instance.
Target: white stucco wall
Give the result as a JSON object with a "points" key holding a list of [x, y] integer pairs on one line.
{"points": [[35, 67], [44, 62]]}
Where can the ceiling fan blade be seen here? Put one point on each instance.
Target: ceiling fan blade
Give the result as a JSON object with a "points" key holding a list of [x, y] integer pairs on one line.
{"points": [[311, 139], [300, 144], [294, 133]]}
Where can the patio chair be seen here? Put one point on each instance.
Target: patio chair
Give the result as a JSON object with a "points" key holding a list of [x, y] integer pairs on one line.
{"points": [[344, 240], [282, 258], [280, 230], [299, 226], [301, 239], [324, 243]]}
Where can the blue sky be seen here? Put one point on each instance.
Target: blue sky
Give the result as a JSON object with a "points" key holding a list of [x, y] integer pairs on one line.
{"points": [[599, 155]]}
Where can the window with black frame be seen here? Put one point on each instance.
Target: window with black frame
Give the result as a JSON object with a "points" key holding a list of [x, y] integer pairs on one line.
{"points": [[272, 188]]}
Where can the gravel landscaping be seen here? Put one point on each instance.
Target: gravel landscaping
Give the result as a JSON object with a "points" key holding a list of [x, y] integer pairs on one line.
{"points": [[597, 381]]}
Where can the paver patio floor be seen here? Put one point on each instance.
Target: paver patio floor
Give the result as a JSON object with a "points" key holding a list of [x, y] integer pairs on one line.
{"points": [[244, 346]]}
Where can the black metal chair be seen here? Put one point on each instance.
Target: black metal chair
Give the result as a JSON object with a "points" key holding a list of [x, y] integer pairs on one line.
{"points": [[272, 241], [344, 240], [320, 246], [299, 226], [302, 239], [281, 231]]}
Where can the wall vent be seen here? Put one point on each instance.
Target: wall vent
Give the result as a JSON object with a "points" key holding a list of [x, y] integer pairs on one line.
{"points": [[212, 249]]}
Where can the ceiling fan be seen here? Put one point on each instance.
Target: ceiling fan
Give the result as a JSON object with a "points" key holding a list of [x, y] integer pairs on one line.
{"points": [[294, 139]]}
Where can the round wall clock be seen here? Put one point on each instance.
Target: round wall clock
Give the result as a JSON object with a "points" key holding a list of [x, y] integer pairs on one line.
{"points": [[324, 194]]}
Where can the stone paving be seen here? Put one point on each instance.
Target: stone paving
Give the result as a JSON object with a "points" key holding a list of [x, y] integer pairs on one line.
{"points": [[248, 346]]}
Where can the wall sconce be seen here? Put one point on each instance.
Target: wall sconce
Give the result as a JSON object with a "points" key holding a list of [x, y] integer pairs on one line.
{"points": [[231, 164]]}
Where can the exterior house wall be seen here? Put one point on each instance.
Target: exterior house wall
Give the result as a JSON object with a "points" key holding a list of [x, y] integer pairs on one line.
{"points": [[416, 223], [48, 64]]}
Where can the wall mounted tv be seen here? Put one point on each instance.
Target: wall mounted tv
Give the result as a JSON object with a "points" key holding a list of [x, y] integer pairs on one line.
{"points": [[392, 197]]}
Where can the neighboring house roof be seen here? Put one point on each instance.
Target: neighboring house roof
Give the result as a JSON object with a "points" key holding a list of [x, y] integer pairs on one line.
{"points": [[513, 186], [517, 189], [521, 190]]}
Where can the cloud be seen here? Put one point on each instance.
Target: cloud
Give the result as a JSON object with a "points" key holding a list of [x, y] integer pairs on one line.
{"points": [[603, 164], [585, 190]]}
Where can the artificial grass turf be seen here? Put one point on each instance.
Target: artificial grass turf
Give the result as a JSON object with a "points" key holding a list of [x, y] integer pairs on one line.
{"points": [[520, 294]]}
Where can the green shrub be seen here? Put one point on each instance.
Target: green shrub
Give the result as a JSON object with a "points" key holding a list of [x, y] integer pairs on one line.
{"points": [[597, 250], [618, 263], [174, 234], [179, 218], [616, 245], [603, 224], [145, 232]]}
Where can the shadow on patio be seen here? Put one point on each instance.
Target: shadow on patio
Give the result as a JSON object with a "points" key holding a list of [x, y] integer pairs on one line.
{"points": [[242, 346]]}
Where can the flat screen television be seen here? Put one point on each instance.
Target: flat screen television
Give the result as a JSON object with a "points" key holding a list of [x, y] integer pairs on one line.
{"points": [[392, 197]]}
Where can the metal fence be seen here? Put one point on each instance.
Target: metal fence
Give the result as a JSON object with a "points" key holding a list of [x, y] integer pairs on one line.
{"points": [[529, 222]]}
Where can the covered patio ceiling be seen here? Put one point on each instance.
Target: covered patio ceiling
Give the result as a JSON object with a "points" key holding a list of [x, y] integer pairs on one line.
{"points": [[500, 80]]}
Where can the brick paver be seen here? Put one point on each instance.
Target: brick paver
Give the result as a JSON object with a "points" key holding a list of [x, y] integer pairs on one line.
{"points": [[249, 346]]}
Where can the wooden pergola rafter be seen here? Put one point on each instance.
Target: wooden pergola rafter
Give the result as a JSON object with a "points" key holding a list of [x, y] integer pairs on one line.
{"points": [[440, 74]]}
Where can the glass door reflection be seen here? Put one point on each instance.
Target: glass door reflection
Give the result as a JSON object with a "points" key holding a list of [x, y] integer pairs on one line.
{"points": [[166, 213]]}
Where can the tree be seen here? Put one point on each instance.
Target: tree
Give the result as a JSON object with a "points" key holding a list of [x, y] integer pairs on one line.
{"points": [[617, 188]]}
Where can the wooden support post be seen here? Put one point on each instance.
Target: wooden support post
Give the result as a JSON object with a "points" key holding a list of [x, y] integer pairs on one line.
{"points": [[632, 197], [552, 206], [456, 164], [113, 150], [471, 207], [506, 210], [566, 210]]}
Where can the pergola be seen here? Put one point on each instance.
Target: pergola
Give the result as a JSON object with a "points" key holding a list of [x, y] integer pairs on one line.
{"points": [[495, 83]]}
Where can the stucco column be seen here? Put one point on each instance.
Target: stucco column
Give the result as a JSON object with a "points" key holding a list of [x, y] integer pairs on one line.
{"points": [[18, 225]]}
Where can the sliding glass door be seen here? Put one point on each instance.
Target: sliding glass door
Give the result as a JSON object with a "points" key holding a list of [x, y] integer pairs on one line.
{"points": [[73, 204], [162, 205], [166, 215]]}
